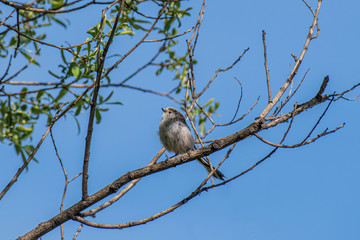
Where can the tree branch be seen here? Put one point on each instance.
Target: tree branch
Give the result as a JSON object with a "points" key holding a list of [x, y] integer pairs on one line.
{"points": [[101, 61], [219, 144], [297, 64], [266, 68], [162, 213]]}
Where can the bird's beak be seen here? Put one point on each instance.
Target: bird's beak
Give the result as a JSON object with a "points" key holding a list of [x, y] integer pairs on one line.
{"points": [[163, 109]]}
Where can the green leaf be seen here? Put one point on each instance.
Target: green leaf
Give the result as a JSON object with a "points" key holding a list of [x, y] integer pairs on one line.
{"points": [[76, 72], [78, 110], [28, 150], [41, 36], [210, 101], [24, 129], [29, 58], [108, 97], [77, 124], [39, 95], [63, 56], [23, 94], [57, 3], [59, 22], [13, 42], [49, 119], [97, 116], [202, 128], [63, 91], [119, 103], [107, 22], [159, 71], [125, 33]]}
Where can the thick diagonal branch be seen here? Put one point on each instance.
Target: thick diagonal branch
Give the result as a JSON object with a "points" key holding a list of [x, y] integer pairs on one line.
{"points": [[219, 144]]}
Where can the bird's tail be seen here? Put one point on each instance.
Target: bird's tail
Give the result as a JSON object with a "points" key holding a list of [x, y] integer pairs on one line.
{"points": [[205, 163]]}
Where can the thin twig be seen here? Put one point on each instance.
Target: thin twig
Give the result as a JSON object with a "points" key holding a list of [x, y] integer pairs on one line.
{"points": [[341, 95], [242, 117], [22, 69], [143, 67], [66, 182], [239, 102], [287, 99], [312, 11], [318, 121], [266, 68], [1, 23], [169, 38], [324, 133], [65, 176], [6, 71], [78, 231], [18, 36], [222, 70]]}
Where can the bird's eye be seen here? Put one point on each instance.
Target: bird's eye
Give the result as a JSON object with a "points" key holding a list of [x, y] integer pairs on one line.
{"points": [[170, 111]]}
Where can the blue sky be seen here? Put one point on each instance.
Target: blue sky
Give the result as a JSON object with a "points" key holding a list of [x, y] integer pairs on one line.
{"points": [[304, 193]]}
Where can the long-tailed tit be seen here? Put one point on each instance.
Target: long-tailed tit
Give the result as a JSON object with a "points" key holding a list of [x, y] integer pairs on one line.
{"points": [[176, 136]]}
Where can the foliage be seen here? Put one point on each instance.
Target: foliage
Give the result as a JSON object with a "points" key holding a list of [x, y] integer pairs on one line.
{"points": [[22, 109]]}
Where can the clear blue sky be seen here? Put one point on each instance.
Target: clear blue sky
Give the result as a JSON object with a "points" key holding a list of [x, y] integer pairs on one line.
{"points": [[308, 193]]}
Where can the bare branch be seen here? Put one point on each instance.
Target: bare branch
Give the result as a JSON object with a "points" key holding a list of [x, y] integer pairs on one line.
{"points": [[350, 99], [239, 102], [266, 68], [20, 70], [143, 67], [6, 71], [341, 95], [66, 183], [1, 23], [169, 38], [77, 232], [312, 11], [101, 62], [260, 161], [18, 36], [222, 70], [297, 64], [287, 99], [242, 117], [324, 133]]}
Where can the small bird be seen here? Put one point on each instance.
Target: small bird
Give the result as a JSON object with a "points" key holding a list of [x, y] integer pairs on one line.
{"points": [[176, 137]]}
